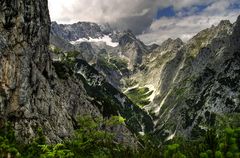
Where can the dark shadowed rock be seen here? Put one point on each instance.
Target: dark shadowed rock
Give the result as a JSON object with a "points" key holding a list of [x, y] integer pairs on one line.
{"points": [[37, 93]]}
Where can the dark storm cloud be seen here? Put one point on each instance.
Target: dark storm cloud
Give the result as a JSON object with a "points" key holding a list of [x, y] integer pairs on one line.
{"points": [[139, 15]]}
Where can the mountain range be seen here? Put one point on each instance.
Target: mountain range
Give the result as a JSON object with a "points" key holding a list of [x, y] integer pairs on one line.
{"points": [[52, 73], [186, 88]]}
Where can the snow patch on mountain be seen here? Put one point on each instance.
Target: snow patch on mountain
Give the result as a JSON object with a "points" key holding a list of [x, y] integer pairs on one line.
{"points": [[106, 39]]}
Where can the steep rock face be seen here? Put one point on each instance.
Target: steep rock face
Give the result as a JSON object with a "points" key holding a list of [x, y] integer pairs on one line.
{"points": [[133, 49], [32, 94], [73, 32], [205, 86], [156, 71], [186, 87], [114, 62], [27, 95], [61, 43], [192, 85], [18, 33]]}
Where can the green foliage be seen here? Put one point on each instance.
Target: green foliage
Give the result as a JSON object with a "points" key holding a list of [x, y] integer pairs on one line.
{"points": [[103, 62], [55, 151], [230, 143], [121, 64], [33, 149], [115, 120], [71, 54], [212, 145], [172, 151], [149, 147], [211, 141], [203, 155], [8, 142], [69, 58], [55, 49], [218, 154], [225, 146], [130, 82], [139, 96], [113, 63], [63, 70], [93, 138]]}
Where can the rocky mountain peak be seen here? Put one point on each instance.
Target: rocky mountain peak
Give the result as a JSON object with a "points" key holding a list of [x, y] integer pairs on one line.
{"points": [[237, 27], [127, 37], [238, 20], [205, 37], [223, 28], [225, 23], [171, 44], [80, 30], [236, 34]]}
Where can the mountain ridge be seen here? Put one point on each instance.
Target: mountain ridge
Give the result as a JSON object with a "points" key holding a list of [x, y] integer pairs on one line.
{"points": [[175, 89], [172, 70]]}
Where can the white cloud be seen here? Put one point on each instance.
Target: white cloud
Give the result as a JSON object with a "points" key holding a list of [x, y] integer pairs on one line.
{"points": [[185, 27], [219, 6], [97, 11], [138, 15], [133, 14], [69, 11], [188, 3]]}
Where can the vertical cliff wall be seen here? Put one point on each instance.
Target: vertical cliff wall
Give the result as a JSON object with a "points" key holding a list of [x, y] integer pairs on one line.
{"points": [[26, 96], [31, 95], [36, 93], [24, 36]]}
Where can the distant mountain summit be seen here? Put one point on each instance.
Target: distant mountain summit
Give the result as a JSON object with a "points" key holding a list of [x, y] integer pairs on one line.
{"points": [[187, 88], [110, 51], [84, 32]]}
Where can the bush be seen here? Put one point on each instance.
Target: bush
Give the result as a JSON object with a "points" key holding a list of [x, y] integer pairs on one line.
{"points": [[92, 139], [8, 142]]}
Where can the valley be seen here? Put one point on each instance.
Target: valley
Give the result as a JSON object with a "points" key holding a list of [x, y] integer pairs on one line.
{"points": [[92, 90]]}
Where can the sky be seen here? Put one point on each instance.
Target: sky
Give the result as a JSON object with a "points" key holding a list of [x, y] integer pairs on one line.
{"points": [[153, 21]]}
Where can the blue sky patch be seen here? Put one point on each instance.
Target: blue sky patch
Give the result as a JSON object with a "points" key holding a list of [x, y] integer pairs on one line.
{"points": [[170, 12], [192, 10], [165, 12], [235, 6]]}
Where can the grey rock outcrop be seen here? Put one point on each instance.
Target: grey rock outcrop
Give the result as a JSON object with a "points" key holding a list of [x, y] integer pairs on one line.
{"points": [[31, 95], [37, 93], [193, 84], [205, 83]]}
